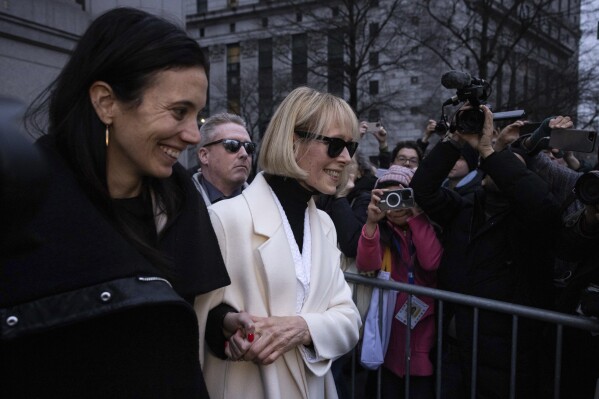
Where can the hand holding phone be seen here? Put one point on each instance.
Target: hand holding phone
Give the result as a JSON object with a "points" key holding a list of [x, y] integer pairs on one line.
{"points": [[577, 140], [373, 127]]}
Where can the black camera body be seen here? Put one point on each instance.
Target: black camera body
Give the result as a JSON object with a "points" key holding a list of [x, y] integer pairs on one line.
{"points": [[475, 91], [587, 188], [397, 199]]}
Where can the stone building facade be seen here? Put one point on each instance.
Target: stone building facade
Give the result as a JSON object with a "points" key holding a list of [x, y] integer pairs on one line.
{"points": [[260, 49], [256, 49]]}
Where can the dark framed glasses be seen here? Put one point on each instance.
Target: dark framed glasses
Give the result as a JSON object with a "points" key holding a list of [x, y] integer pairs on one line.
{"points": [[232, 145], [336, 145]]}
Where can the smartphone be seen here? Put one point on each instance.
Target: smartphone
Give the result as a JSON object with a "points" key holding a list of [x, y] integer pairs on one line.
{"points": [[573, 140], [373, 126]]}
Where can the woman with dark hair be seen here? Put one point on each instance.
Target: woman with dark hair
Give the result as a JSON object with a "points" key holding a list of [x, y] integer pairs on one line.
{"points": [[103, 306]]}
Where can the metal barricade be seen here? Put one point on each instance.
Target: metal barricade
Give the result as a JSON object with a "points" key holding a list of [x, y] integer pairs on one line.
{"points": [[560, 320]]}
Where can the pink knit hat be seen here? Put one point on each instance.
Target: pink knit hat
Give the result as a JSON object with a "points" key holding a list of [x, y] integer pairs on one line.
{"points": [[398, 174]]}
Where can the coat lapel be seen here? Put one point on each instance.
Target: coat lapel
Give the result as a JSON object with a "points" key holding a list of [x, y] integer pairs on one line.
{"points": [[279, 269], [275, 254], [325, 256]]}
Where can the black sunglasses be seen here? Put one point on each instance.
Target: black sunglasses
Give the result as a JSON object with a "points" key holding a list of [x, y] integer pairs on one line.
{"points": [[336, 145], [233, 145]]}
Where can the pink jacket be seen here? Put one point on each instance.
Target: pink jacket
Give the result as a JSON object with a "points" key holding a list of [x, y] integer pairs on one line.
{"points": [[428, 252]]}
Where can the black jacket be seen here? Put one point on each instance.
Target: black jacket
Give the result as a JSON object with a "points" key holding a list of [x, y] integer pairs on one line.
{"points": [[496, 252], [86, 315], [497, 245], [349, 214]]}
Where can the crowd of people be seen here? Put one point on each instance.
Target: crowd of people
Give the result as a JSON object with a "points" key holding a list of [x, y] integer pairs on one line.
{"points": [[142, 280]]}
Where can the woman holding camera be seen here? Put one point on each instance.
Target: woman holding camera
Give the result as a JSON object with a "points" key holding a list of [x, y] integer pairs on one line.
{"points": [[403, 241]]}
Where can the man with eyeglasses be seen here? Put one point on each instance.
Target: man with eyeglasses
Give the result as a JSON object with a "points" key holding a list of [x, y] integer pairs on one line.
{"points": [[225, 156], [406, 153]]}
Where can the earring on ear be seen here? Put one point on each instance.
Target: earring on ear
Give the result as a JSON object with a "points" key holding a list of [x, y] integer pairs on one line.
{"points": [[107, 135]]}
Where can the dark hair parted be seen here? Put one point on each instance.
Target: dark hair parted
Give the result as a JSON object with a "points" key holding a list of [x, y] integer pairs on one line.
{"points": [[407, 144], [125, 48]]}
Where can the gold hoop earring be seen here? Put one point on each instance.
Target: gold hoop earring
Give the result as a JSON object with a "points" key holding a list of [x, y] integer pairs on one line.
{"points": [[107, 135]]}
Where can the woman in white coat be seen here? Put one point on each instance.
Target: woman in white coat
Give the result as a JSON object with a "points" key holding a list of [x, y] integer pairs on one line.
{"points": [[282, 257]]}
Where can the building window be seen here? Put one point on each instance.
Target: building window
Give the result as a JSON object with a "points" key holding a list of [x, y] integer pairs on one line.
{"points": [[265, 100], [201, 32], [233, 75], [232, 28], [299, 59], [374, 87], [335, 11], [374, 59], [414, 110], [373, 30], [414, 80], [265, 22], [415, 20], [374, 115], [202, 6], [335, 62], [298, 17]]}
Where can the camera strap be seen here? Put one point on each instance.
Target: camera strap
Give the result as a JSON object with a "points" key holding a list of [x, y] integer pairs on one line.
{"points": [[412, 250]]}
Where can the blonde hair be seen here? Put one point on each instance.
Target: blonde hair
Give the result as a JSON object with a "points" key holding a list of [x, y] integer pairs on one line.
{"points": [[303, 109]]}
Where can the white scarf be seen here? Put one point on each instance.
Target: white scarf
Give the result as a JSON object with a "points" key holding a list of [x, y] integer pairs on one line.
{"points": [[303, 260]]}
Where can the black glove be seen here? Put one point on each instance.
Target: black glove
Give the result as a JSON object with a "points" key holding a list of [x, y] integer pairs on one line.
{"points": [[537, 140]]}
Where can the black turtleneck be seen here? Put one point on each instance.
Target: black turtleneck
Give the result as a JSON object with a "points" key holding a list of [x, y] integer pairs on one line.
{"points": [[294, 200]]}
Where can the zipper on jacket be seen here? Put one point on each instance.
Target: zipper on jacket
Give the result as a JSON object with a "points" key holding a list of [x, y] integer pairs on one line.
{"points": [[146, 279]]}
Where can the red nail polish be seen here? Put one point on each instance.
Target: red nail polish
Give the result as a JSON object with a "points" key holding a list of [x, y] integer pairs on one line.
{"points": [[251, 337]]}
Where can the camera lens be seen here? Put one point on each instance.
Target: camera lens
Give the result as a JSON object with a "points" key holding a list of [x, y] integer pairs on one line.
{"points": [[393, 200], [470, 121], [587, 188]]}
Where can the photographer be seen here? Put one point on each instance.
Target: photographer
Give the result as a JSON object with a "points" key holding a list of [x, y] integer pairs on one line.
{"points": [[495, 241], [406, 153], [576, 267], [580, 295], [404, 242]]}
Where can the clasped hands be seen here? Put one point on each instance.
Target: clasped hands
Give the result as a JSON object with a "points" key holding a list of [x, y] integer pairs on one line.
{"points": [[263, 340]]}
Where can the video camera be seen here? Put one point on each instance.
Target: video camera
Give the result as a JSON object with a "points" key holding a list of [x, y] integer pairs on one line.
{"points": [[475, 91], [587, 188]]}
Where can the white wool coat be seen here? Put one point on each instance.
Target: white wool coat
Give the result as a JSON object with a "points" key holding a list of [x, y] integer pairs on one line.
{"points": [[258, 257]]}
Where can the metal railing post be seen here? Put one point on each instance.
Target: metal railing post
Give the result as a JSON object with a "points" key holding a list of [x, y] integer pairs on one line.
{"points": [[558, 361], [514, 357], [439, 349], [474, 353], [477, 303]]}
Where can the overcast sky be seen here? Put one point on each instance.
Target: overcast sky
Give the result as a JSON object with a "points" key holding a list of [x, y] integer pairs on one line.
{"points": [[588, 21]]}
